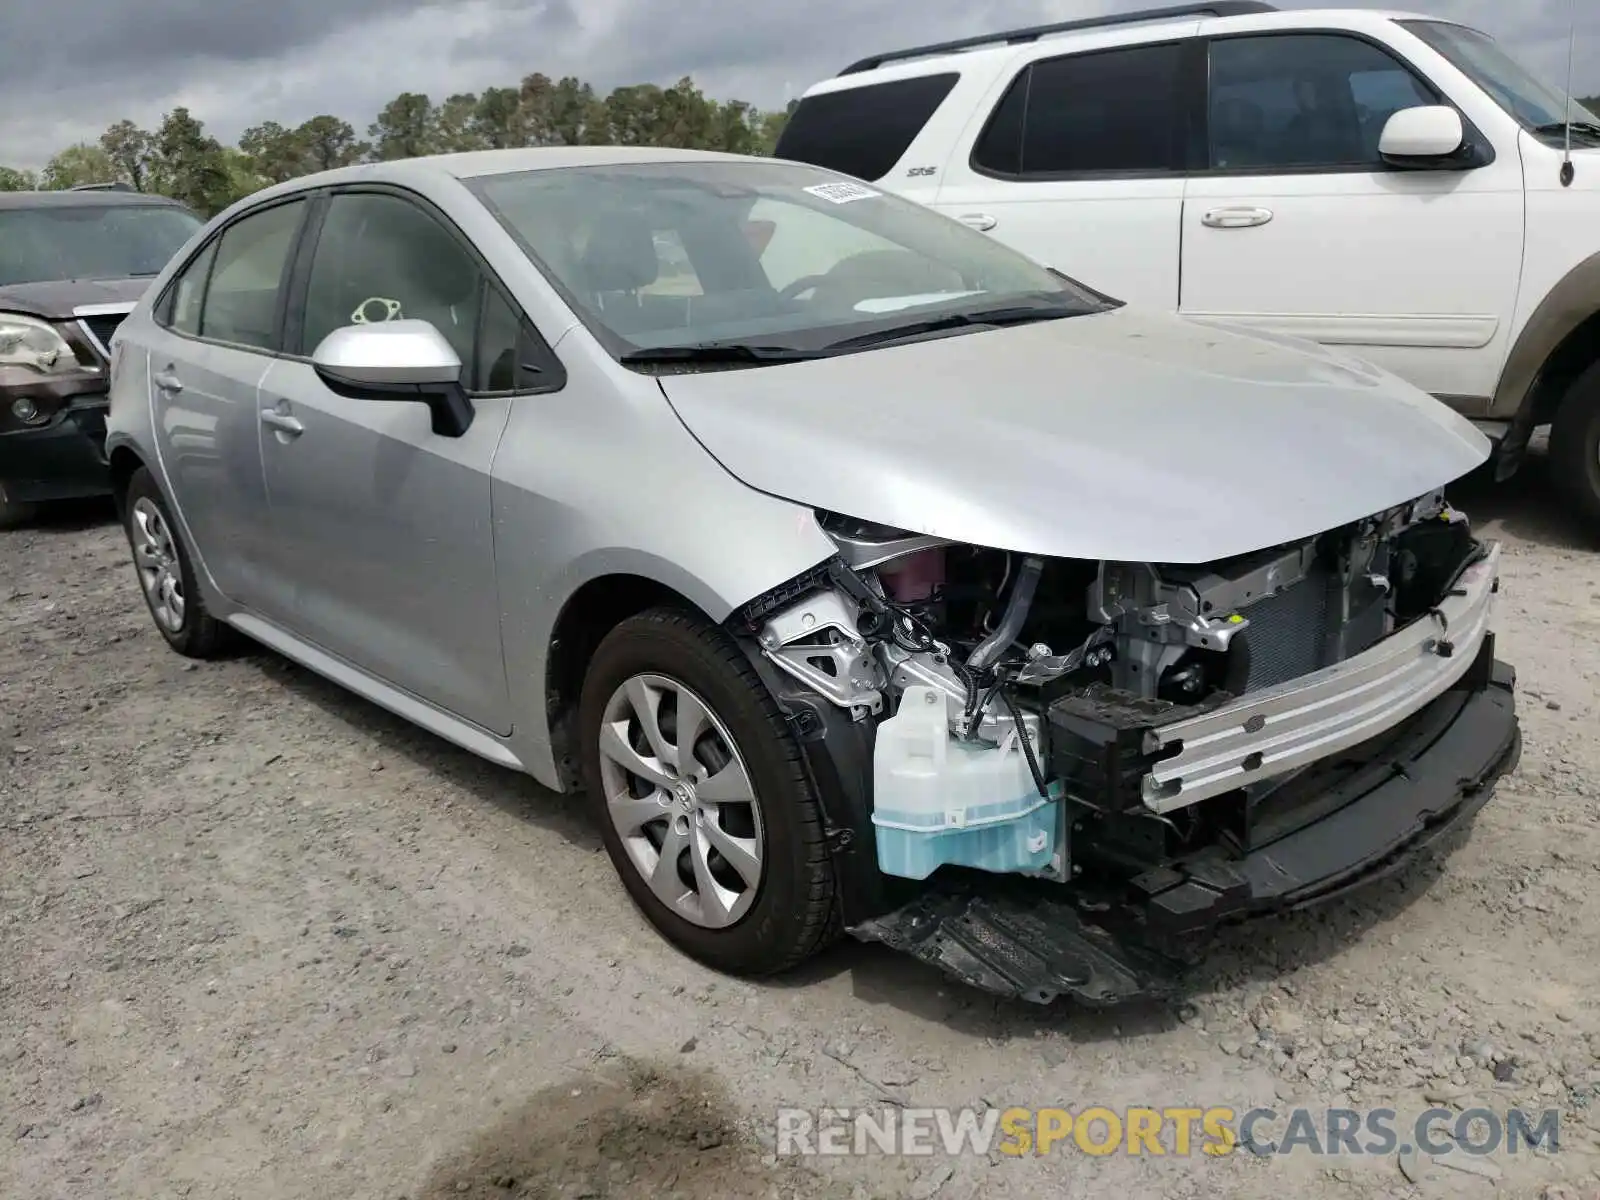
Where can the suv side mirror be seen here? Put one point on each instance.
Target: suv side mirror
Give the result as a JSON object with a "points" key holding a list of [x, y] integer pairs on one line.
{"points": [[1426, 136], [397, 360]]}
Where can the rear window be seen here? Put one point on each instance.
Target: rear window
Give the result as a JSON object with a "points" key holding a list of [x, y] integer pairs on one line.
{"points": [[863, 131]]}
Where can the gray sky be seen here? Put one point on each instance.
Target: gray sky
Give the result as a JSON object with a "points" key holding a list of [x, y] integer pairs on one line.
{"points": [[69, 68]]}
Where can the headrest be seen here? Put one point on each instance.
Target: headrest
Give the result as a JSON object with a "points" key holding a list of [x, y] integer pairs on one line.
{"points": [[621, 254]]}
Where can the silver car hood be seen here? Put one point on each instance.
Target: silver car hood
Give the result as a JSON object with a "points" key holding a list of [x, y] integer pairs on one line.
{"points": [[1122, 435]]}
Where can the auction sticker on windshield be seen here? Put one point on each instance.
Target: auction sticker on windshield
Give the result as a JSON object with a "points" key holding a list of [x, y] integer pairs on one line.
{"points": [[842, 192]]}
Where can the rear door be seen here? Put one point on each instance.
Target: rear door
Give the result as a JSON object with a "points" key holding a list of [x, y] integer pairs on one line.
{"points": [[216, 331], [1297, 225], [1078, 161], [383, 525]]}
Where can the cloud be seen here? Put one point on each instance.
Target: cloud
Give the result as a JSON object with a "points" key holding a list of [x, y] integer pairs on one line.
{"points": [[69, 68]]}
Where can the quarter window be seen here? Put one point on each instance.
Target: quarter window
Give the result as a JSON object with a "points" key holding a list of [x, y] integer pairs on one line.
{"points": [[863, 131], [1108, 112], [1304, 101], [251, 257], [189, 291]]}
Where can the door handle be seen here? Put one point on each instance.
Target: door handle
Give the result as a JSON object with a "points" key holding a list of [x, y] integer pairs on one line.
{"points": [[982, 222], [1236, 218], [166, 381], [282, 422]]}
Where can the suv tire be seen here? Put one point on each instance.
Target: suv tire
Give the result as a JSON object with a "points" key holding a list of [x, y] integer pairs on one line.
{"points": [[667, 663], [1575, 447]]}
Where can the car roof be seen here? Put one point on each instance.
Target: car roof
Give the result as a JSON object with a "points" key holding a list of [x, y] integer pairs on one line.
{"points": [[906, 64], [85, 199], [476, 164]]}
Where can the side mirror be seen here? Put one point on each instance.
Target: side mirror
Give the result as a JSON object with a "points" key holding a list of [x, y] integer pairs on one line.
{"points": [[1425, 137], [397, 360]]}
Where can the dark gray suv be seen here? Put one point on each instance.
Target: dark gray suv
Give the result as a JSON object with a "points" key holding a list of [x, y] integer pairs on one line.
{"points": [[72, 264]]}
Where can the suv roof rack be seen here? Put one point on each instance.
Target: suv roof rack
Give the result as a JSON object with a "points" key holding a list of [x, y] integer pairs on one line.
{"points": [[101, 187], [1220, 8]]}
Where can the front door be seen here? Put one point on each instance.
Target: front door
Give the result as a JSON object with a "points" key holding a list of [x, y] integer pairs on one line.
{"points": [[1080, 166], [1297, 226], [211, 343], [384, 525]]}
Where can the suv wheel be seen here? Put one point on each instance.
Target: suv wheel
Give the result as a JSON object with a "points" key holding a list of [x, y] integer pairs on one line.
{"points": [[166, 576], [13, 513], [1575, 447], [703, 803]]}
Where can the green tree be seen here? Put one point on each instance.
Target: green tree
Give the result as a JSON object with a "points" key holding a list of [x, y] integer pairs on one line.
{"points": [[406, 128], [241, 176], [455, 124], [13, 180], [189, 165], [276, 154], [497, 122], [329, 142], [770, 128], [78, 165], [129, 148], [563, 113]]}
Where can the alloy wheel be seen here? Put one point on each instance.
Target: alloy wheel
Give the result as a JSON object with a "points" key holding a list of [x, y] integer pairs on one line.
{"points": [[156, 556], [680, 797]]}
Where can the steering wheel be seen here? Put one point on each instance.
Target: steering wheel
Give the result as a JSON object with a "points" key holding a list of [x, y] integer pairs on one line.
{"points": [[799, 286]]}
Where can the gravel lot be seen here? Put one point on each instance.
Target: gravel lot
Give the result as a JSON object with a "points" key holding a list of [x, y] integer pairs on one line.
{"points": [[260, 939]]}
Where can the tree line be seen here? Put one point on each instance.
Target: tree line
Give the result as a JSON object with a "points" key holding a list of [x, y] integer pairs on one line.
{"points": [[180, 159]]}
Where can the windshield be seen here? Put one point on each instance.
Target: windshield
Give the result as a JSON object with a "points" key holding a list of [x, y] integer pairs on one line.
{"points": [[90, 241], [777, 255], [1524, 95]]}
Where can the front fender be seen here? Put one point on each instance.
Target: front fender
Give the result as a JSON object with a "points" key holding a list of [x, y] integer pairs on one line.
{"points": [[1565, 308], [761, 544]]}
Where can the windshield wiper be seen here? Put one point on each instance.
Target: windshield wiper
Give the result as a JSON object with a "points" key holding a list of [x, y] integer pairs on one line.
{"points": [[1015, 314], [715, 352], [1559, 128]]}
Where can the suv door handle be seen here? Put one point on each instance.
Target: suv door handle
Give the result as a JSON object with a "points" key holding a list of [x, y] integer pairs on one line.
{"points": [[982, 222], [282, 422], [166, 381], [1236, 218]]}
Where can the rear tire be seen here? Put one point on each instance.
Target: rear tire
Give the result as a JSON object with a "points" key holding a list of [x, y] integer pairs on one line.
{"points": [[14, 514], [1575, 447], [166, 573], [766, 905]]}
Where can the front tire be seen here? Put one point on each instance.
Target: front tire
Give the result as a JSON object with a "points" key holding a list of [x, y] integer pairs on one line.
{"points": [[703, 802], [1575, 447], [166, 574]]}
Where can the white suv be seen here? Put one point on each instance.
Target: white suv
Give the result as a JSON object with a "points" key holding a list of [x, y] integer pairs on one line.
{"points": [[1388, 183]]}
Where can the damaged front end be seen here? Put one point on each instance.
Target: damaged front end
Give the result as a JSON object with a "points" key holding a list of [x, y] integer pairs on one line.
{"points": [[1050, 776]]}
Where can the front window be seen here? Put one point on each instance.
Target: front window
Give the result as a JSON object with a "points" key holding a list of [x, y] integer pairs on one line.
{"points": [[1537, 105], [761, 254], [90, 241]]}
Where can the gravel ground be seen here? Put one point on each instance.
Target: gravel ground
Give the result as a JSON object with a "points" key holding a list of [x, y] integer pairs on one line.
{"points": [[260, 939]]}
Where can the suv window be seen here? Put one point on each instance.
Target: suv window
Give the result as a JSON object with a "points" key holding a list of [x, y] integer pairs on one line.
{"points": [[863, 131], [1304, 101], [379, 258], [1111, 111], [247, 270]]}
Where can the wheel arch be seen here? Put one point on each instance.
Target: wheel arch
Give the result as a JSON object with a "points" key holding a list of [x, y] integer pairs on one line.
{"points": [[1558, 343], [594, 609], [123, 460]]}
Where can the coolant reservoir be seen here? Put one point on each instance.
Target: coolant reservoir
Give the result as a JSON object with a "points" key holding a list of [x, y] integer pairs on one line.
{"points": [[938, 801]]}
